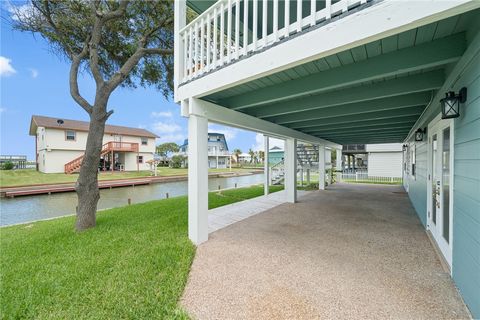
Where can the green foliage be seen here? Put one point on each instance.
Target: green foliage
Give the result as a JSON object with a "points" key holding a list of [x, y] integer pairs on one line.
{"points": [[166, 148], [67, 25], [177, 161], [133, 265], [8, 165]]}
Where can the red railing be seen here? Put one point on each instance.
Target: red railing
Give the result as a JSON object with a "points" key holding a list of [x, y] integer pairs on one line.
{"points": [[106, 148]]}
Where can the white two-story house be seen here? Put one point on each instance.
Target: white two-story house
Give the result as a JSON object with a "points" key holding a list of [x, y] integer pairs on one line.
{"points": [[337, 72], [218, 155], [60, 146]]}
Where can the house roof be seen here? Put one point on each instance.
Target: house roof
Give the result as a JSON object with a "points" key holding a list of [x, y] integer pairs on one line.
{"points": [[60, 123]]}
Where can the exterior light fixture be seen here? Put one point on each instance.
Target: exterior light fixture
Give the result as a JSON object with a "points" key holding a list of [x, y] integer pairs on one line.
{"points": [[419, 134], [404, 147], [451, 103]]}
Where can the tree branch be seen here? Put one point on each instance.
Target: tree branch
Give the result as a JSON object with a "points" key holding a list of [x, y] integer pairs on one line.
{"points": [[158, 51], [122, 8], [93, 46], [73, 79]]}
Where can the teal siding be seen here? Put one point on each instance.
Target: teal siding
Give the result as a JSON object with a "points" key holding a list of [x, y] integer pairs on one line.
{"points": [[418, 187], [466, 211], [275, 157]]}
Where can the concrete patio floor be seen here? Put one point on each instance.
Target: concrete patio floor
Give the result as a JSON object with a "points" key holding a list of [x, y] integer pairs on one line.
{"points": [[352, 251]]}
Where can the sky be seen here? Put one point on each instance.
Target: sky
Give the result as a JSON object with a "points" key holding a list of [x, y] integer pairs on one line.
{"points": [[34, 81]]}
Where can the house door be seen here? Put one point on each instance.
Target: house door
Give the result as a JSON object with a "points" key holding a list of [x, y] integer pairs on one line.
{"points": [[440, 185]]}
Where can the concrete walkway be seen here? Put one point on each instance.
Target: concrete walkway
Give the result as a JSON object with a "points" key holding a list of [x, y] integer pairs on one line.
{"points": [[353, 251], [222, 217]]}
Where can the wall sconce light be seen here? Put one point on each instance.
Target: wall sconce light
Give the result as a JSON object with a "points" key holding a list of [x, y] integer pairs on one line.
{"points": [[420, 133], [404, 147], [451, 103]]}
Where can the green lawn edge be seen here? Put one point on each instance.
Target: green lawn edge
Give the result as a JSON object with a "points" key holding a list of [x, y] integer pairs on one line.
{"points": [[134, 264]]}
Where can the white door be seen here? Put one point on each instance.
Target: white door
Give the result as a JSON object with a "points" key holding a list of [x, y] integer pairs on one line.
{"points": [[440, 185]]}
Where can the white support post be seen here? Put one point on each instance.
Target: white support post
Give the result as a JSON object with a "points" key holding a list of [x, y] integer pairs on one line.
{"points": [[321, 167], [291, 169], [197, 178], [339, 160], [180, 21], [308, 176], [266, 168]]}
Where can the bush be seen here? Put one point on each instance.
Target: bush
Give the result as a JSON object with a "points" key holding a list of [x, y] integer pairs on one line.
{"points": [[7, 166], [177, 161]]}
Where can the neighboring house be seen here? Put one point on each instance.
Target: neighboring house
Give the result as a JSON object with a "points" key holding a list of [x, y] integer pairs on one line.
{"points": [[218, 155], [244, 158], [332, 73], [60, 146], [385, 160], [19, 162], [275, 155]]}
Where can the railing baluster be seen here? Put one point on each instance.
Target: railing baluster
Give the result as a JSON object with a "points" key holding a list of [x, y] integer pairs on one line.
{"points": [[185, 57], [255, 24], [328, 8], [299, 15], [264, 21], [191, 58], [229, 30], [344, 5], [197, 54], [287, 18], [208, 42], [222, 33], [313, 12], [202, 43], [275, 20], [237, 28], [245, 27], [214, 38]]}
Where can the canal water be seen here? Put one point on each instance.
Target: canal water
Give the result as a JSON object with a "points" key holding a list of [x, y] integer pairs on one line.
{"points": [[31, 208]]}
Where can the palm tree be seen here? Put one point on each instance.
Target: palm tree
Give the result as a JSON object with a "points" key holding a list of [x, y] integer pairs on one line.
{"points": [[237, 152], [252, 155]]}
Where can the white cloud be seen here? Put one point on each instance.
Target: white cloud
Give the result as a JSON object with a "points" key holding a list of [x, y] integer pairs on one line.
{"points": [[6, 68], [161, 114], [2, 110], [259, 143], [164, 127], [230, 133], [33, 72], [178, 138]]}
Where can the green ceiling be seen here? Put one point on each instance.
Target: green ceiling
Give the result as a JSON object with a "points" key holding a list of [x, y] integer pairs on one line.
{"points": [[369, 94]]}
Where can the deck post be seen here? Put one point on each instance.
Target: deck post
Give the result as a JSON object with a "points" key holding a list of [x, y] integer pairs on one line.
{"points": [[321, 167], [291, 169], [197, 177], [308, 176], [266, 171], [339, 159]]}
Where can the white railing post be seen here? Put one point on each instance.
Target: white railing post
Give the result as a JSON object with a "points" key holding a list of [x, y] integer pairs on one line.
{"points": [[215, 18], [287, 18], [222, 33], [245, 26], [229, 30], [344, 5], [180, 19], [264, 21], [328, 9], [196, 56], [191, 57], [321, 167], [299, 15], [207, 66], [237, 29], [255, 24], [275, 20], [313, 12], [202, 43]]}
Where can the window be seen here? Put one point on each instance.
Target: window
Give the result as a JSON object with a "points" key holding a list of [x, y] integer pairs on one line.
{"points": [[139, 159], [144, 141], [70, 135]]}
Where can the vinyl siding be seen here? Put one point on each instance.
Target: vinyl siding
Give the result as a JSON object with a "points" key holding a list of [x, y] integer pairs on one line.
{"points": [[385, 164], [418, 184], [466, 211]]}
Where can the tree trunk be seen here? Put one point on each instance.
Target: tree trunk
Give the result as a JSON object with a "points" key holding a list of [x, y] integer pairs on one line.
{"points": [[87, 183]]}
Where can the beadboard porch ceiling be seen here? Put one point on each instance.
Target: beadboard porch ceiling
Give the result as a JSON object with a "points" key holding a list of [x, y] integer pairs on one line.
{"points": [[372, 93]]}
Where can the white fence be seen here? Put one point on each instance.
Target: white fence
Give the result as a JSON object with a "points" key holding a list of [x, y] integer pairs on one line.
{"points": [[364, 177], [219, 35]]}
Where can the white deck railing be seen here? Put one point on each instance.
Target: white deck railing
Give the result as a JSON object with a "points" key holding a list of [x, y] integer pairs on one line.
{"points": [[218, 36]]}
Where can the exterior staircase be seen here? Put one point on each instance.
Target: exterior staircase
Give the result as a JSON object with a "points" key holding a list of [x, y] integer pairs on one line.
{"points": [[112, 146], [307, 157]]}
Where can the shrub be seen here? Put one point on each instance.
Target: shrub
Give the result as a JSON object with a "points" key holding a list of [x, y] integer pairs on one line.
{"points": [[7, 166], [177, 161]]}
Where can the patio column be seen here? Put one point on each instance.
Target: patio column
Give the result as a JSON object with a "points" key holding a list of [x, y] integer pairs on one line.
{"points": [[197, 178], [291, 169], [321, 167], [266, 168], [339, 160], [308, 176]]}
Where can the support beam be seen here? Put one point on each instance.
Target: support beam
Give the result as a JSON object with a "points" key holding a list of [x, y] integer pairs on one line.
{"points": [[266, 167], [218, 114], [380, 130], [197, 178], [371, 116], [321, 167], [390, 88], [291, 169], [431, 54], [410, 100]]}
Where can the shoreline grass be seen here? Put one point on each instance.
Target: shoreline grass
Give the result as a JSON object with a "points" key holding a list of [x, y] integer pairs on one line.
{"points": [[133, 264]]}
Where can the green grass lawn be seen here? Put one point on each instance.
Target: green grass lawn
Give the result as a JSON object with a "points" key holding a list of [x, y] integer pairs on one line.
{"points": [[133, 265], [9, 178]]}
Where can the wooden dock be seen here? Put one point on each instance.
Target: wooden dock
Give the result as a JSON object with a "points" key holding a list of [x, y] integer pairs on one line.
{"points": [[68, 187]]}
